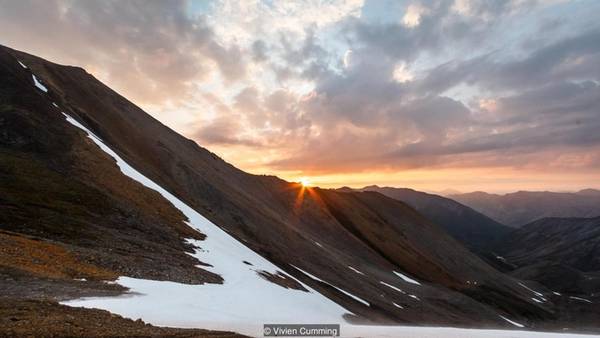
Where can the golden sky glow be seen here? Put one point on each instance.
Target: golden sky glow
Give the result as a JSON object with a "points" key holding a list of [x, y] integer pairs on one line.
{"points": [[498, 179], [462, 180]]}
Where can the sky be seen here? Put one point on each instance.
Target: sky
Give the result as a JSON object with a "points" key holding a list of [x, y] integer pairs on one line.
{"points": [[466, 95]]}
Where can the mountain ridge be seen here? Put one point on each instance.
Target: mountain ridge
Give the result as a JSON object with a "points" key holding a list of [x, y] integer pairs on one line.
{"points": [[475, 230], [522, 207]]}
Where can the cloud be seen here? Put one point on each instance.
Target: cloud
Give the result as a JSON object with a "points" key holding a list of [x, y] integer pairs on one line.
{"points": [[342, 85], [375, 122], [224, 131], [574, 57], [151, 50], [413, 14], [259, 51]]}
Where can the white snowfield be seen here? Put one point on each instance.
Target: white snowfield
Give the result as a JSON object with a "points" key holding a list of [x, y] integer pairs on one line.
{"points": [[245, 301]]}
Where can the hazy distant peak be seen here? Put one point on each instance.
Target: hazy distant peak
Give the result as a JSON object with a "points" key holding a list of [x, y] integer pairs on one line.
{"points": [[519, 208], [589, 192]]}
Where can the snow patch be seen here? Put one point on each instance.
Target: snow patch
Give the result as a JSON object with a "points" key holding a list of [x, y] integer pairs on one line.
{"points": [[353, 269], [415, 297], [556, 293], [392, 287], [358, 299], [398, 306], [581, 299], [406, 278], [38, 84], [539, 294], [318, 244], [310, 275], [512, 322], [22, 64], [54, 104]]}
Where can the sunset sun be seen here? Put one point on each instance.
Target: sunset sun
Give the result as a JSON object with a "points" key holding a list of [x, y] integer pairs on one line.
{"points": [[304, 181]]}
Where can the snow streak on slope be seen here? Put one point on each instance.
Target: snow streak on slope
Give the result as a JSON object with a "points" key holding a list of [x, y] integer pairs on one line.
{"points": [[392, 287], [581, 299], [244, 299], [355, 270], [38, 84], [539, 294], [406, 278], [512, 322], [358, 299]]}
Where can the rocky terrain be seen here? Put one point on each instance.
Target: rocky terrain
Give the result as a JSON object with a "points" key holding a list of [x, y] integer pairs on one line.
{"points": [[39, 318]]}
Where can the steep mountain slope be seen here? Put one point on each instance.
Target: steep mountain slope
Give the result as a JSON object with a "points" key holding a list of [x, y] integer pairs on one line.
{"points": [[570, 241], [122, 195], [563, 254], [70, 221], [56, 185], [476, 231], [519, 208]]}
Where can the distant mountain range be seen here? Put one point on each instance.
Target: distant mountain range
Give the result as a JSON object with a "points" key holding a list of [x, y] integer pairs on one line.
{"points": [[519, 208], [475, 230]]}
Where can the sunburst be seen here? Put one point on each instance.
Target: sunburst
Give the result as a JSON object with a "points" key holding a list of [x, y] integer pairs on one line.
{"points": [[305, 182]]}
